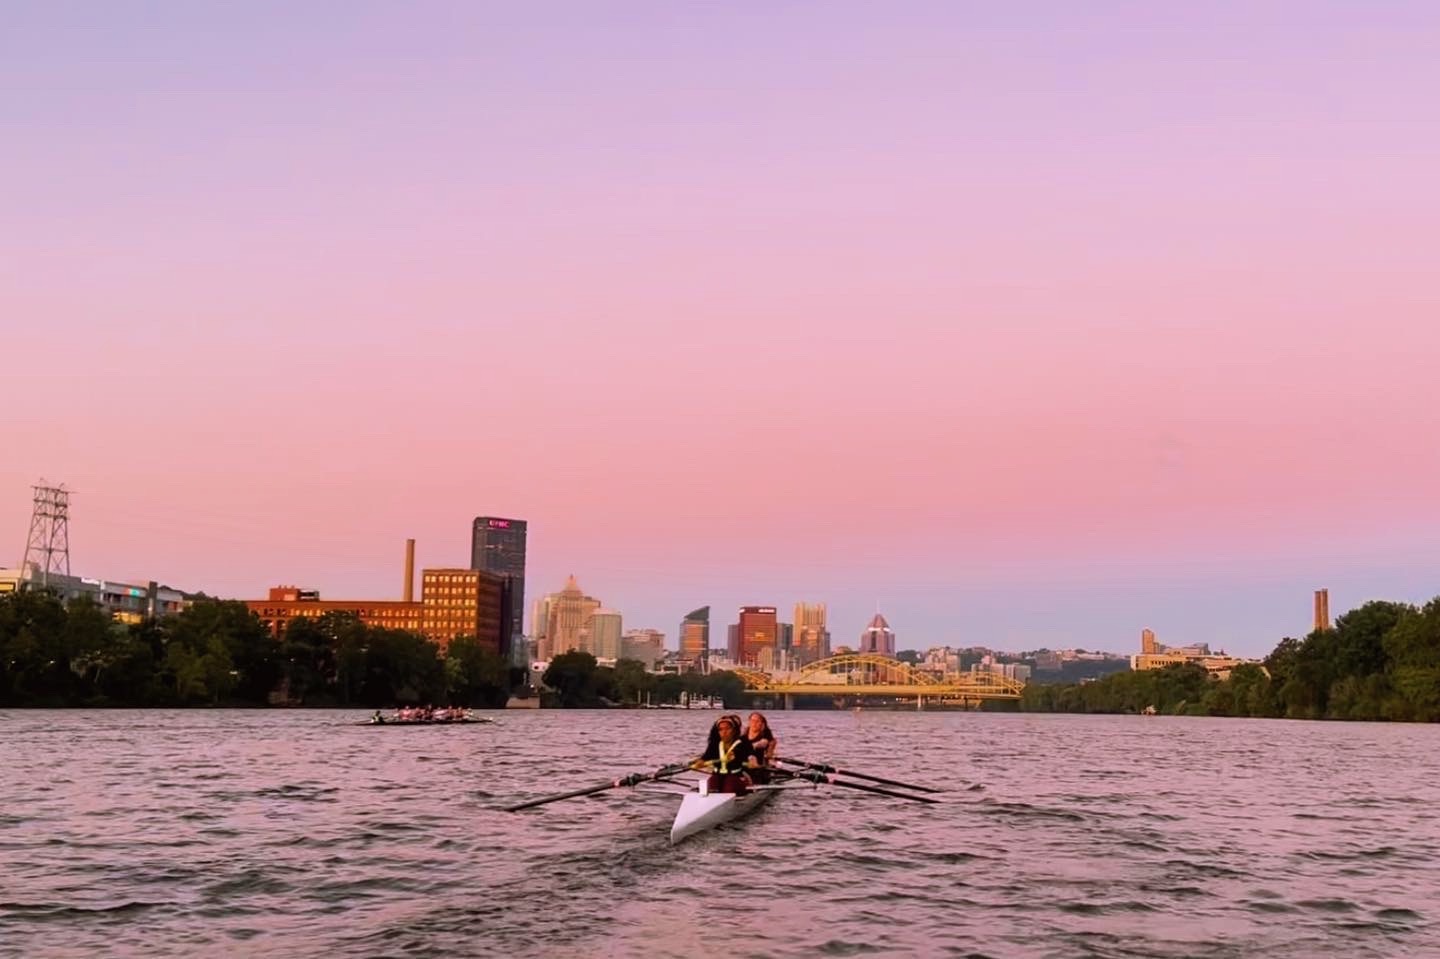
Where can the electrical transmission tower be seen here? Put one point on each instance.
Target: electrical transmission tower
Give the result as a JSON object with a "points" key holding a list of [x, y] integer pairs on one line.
{"points": [[48, 550]]}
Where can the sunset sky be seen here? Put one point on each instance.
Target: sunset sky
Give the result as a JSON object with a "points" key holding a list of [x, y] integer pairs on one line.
{"points": [[1028, 324]]}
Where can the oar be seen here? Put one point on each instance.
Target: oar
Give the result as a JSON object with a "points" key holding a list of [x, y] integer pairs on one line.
{"points": [[824, 778], [634, 779], [854, 775]]}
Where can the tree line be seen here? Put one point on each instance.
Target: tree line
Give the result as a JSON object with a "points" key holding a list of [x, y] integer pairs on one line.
{"points": [[1380, 661], [219, 653], [578, 680]]}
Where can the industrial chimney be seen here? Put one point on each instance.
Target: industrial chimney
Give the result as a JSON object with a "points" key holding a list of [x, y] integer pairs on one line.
{"points": [[409, 571], [1322, 609]]}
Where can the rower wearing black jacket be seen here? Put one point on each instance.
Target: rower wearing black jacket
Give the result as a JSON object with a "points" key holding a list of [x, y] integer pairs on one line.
{"points": [[762, 743], [727, 755]]}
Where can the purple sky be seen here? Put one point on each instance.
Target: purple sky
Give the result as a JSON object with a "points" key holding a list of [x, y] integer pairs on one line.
{"points": [[1032, 326]]}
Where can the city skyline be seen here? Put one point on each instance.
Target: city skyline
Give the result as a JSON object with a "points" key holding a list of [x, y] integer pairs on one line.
{"points": [[1033, 327], [575, 615]]}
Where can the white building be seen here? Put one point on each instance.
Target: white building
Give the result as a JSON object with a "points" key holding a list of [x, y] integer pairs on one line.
{"points": [[125, 602]]}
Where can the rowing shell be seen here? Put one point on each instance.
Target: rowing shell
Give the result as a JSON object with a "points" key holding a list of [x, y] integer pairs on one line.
{"points": [[700, 811], [428, 722]]}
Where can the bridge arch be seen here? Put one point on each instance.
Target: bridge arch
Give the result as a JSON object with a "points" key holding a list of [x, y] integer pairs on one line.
{"points": [[869, 674], [868, 668]]}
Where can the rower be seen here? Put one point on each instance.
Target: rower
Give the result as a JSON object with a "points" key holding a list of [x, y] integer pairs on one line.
{"points": [[763, 744], [727, 756]]}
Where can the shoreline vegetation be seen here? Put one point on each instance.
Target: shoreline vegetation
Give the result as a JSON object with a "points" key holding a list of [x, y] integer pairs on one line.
{"points": [[219, 653], [1381, 662]]}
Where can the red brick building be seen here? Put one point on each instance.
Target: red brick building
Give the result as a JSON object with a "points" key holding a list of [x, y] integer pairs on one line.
{"points": [[453, 602], [288, 602], [464, 602]]}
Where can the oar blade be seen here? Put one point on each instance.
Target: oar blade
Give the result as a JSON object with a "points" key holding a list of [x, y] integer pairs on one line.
{"points": [[825, 768], [572, 794], [883, 792], [631, 780], [829, 779]]}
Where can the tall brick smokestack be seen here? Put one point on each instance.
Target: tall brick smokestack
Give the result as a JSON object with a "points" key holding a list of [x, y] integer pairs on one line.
{"points": [[409, 571]]}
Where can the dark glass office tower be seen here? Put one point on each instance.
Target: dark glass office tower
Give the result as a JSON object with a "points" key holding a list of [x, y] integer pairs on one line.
{"points": [[497, 545], [695, 639]]}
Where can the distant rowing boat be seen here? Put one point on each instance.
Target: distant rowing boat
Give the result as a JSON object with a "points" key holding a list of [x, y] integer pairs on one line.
{"points": [[426, 722], [455, 718]]}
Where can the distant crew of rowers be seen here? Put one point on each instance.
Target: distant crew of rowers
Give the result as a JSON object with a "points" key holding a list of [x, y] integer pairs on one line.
{"points": [[738, 755], [423, 714]]}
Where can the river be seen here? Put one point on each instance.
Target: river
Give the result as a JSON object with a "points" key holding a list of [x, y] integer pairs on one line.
{"points": [[298, 834]]}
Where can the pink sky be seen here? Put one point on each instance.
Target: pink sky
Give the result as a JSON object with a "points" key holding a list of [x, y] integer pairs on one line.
{"points": [[1033, 327]]}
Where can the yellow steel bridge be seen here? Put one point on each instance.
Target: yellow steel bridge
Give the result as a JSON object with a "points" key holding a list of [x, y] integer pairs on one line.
{"points": [[866, 674]]}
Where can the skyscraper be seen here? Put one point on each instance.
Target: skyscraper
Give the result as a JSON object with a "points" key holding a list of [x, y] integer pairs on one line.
{"points": [[569, 624], [539, 622], [878, 638], [605, 629], [756, 630], [812, 639], [498, 546], [643, 645], [695, 638]]}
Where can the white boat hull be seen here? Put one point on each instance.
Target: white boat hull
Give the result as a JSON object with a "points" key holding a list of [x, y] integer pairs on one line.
{"points": [[700, 812]]}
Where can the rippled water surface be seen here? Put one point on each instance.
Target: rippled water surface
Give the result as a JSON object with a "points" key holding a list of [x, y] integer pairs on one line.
{"points": [[269, 833]]}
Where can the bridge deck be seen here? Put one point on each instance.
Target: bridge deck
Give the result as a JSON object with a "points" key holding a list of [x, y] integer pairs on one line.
{"points": [[884, 689], [868, 674]]}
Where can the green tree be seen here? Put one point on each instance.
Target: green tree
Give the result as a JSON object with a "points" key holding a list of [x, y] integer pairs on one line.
{"points": [[668, 687], [400, 668], [88, 641], [1360, 637], [187, 671], [128, 677], [572, 676], [218, 668], [632, 681], [475, 676], [33, 668], [253, 655], [727, 685], [606, 693], [1413, 648], [308, 659], [1252, 691]]}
